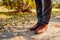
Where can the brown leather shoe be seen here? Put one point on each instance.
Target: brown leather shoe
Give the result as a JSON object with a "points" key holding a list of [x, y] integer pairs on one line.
{"points": [[34, 27], [41, 29]]}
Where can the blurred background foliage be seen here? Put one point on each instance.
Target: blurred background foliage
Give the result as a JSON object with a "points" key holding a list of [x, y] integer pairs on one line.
{"points": [[18, 5], [24, 4]]}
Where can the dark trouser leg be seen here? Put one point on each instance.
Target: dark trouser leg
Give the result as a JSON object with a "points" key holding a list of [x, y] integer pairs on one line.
{"points": [[39, 10], [43, 17], [46, 11]]}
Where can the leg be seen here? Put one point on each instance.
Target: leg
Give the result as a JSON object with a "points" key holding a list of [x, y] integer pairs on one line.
{"points": [[39, 14], [39, 10], [46, 13], [43, 11]]}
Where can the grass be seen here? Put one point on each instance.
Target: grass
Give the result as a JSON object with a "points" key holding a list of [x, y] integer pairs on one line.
{"points": [[15, 19], [55, 12], [7, 19], [26, 15]]}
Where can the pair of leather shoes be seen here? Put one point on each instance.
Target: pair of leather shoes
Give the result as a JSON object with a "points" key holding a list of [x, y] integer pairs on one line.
{"points": [[41, 29], [38, 29]]}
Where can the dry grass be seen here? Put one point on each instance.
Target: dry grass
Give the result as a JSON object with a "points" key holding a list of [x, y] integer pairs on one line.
{"points": [[55, 12], [21, 18]]}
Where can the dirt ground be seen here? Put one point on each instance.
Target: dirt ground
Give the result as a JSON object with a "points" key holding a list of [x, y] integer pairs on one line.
{"points": [[52, 33]]}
